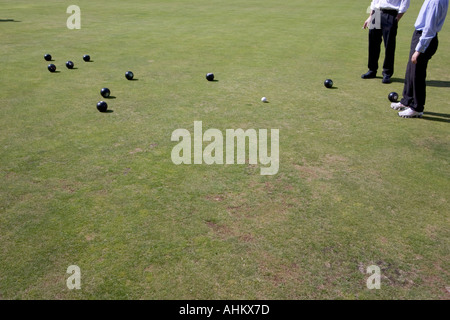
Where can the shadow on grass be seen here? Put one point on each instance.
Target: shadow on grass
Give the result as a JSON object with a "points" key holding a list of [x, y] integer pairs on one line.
{"points": [[397, 80], [111, 97], [9, 20], [438, 83], [430, 83], [108, 111], [439, 117]]}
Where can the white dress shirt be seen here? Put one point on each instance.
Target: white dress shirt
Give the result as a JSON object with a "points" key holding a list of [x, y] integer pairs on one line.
{"points": [[400, 5]]}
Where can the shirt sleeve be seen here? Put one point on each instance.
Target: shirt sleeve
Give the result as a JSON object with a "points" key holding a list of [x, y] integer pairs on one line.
{"points": [[430, 29], [373, 5], [404, 6]]}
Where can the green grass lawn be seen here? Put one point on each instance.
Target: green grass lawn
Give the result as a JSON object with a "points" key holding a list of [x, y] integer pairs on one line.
{"points": [[357, 185]]}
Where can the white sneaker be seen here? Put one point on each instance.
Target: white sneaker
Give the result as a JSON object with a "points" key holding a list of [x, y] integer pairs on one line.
{"points": [[398, 106], [410, 113]]}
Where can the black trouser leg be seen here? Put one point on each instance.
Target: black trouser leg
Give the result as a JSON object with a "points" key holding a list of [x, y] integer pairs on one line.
{"points": [[375, 38], [389, 28], [408, 88], [414, 90]]}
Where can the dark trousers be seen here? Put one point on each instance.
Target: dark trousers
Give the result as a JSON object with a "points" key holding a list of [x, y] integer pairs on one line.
{"points": [[388, 33], [414, 91]]}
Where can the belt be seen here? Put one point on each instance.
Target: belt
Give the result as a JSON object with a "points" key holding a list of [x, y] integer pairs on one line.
{"points": [[392, 11]]}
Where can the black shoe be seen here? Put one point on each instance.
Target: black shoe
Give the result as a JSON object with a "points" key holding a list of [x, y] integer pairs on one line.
{"points": [[386, 79], [369, 75]]}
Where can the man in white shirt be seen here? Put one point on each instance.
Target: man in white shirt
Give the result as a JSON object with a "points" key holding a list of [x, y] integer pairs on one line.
{"points": [[424, 45], [388, 13]]}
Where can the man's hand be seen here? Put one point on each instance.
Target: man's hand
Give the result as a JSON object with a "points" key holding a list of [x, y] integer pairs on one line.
{"points": [[399, 16], [367, 22], [415, 57]]}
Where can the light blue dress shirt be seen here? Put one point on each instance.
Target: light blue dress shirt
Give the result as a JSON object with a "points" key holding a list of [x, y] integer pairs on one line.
{"points": [[430, 21]]}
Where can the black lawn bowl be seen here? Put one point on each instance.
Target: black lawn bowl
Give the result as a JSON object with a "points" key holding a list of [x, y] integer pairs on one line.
{"points": [[51, 67], [393, 97], [48, 57], [102, 106], [210, 76], [129, 75], [105, 92], [69, 65], [87, 58], [328, 83]]}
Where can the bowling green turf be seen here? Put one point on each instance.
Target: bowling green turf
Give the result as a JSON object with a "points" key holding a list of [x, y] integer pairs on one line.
{"points": [[357, 185]]}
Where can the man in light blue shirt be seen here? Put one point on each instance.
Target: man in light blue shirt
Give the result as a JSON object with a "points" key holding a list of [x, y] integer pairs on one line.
{"points": [[424, 45], [383, 25]]}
